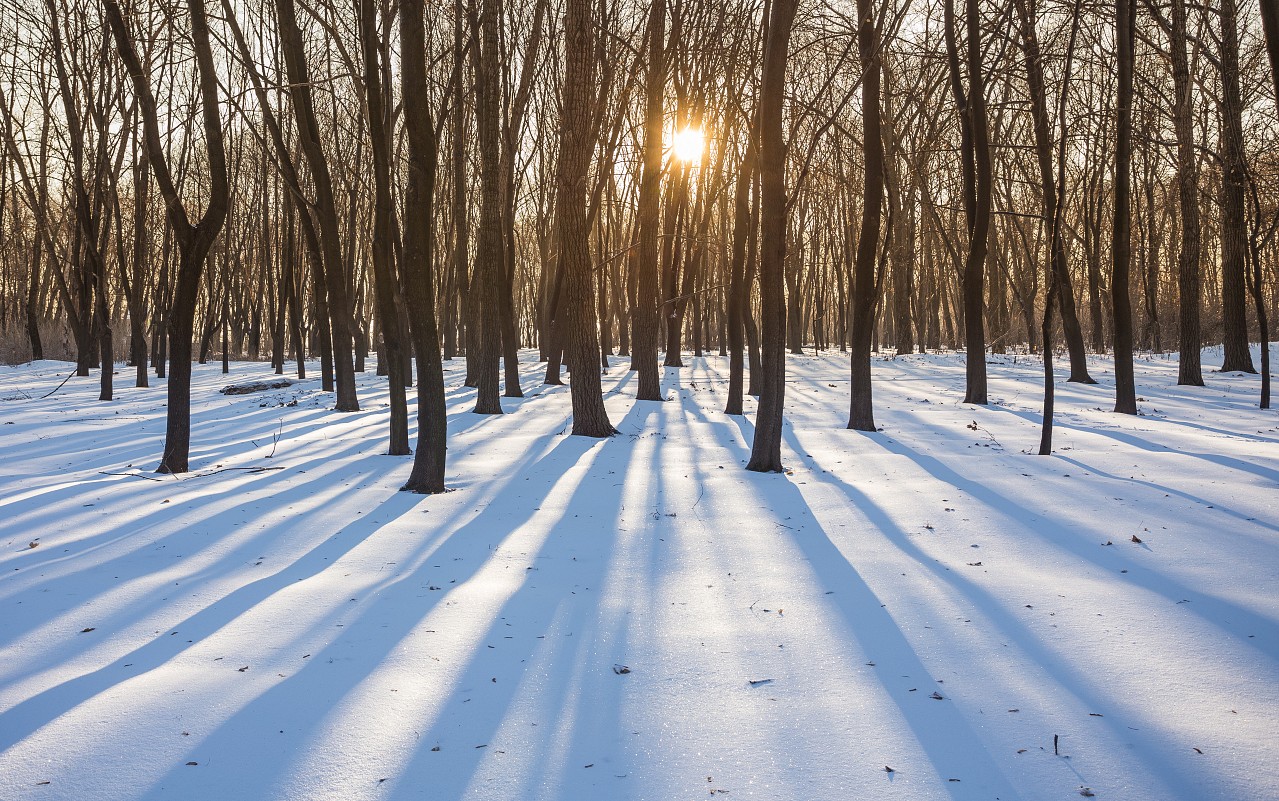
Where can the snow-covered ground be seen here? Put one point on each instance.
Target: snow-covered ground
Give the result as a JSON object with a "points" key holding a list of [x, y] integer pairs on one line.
{"points": [[929, 612]]}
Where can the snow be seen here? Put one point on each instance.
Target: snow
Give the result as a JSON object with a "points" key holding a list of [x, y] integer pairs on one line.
{"points": [[281, 623]]}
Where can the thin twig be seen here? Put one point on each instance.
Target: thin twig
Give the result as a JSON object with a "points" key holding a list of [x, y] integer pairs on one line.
{"points": [[130, 475], [225, 469]]}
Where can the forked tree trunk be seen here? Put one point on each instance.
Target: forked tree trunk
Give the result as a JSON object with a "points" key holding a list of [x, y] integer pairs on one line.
{"points": [[194, 241]]}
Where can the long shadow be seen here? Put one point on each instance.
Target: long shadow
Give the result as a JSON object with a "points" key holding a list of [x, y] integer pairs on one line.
{"points": [[125, 567], [1076, 682], [27, 716], [1211, 609], [950, 743], [401, 606], [1150, 447], [558, 681], [1217, 505]]}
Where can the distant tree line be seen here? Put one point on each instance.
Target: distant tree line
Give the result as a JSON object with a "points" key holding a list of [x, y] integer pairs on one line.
{"points": [[434, 180]]}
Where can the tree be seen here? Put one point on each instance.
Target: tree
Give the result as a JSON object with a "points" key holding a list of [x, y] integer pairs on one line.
{"points": [[1038, 96], [423, 156], [194, 241], [644, 311], [975, 158], [386, 285], [577, 141], [861, 415], [334, 283], [489, 257], [1234, 180], [766, 450], [1121, 230]]}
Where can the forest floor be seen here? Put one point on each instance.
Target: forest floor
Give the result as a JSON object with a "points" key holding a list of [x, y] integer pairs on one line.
{"points": [[927, 612]]}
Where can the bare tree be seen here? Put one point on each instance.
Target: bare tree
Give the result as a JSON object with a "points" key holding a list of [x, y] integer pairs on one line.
{"points": [[194, 241]]}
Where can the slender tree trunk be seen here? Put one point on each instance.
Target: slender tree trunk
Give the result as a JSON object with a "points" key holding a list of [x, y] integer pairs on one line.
{"points": [[334, 284], [739, 289], [1121, 230], [1189, 280], [1038, 96], [386, 287], [861, 414], [423, 154], [577, 142], [489, 258], [766, 450], [975, 155], [1234, 179], [644, 312]]}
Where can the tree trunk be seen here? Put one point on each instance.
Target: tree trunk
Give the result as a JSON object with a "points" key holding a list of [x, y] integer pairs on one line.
{"points": [[1234, 177], [861, 415], [1189, 281], [334, 285], [644, 312], [489, 258], [1121, 230], [423, 153], [194, 241], [766, 450], [386, 287], [577, 142]]}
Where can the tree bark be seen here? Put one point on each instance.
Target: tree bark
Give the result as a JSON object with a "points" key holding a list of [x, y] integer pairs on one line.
{"points": [[644, 313], [1121, 229], [766, 450], [194, 241], [861, 414], [423, 155], [577, 142]]}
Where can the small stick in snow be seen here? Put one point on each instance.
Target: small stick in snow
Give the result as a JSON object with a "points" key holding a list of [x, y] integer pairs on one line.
{"points": [[130, 475]]}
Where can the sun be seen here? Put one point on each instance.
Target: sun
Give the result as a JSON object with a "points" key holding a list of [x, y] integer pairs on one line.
{"points": [[688, 145]]}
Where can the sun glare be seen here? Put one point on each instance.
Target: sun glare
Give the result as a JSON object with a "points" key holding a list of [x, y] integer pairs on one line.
{"points": [[688, 145]]}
